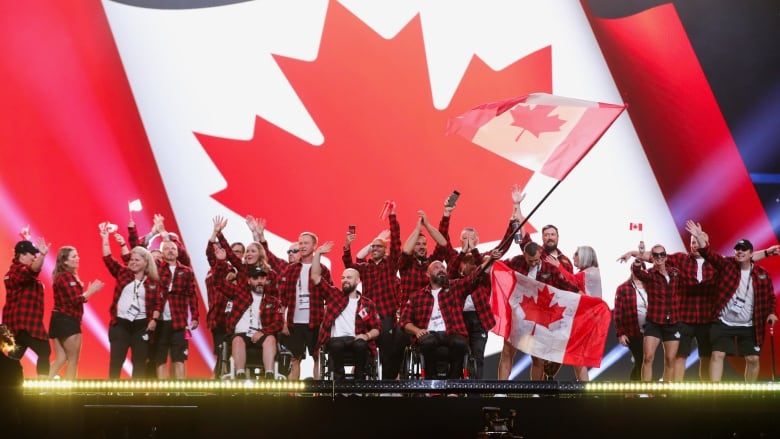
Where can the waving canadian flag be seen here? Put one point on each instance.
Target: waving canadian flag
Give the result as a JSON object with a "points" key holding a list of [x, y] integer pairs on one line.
{"points": [[552, 324], [542, 132]]}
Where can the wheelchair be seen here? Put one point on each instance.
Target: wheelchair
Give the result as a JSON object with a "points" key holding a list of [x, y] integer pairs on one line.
{"points": [[327, 373], [226, 368], [413, 367]]}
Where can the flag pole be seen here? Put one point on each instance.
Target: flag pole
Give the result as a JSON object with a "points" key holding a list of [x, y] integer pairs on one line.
{"points": [[507, 241]]}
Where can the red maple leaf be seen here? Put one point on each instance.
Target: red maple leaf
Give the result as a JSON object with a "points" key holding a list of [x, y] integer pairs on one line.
{"points": [[371, 99], [540, 311], [536, 120]]}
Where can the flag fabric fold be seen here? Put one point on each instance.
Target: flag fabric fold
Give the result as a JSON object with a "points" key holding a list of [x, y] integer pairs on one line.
{"points": [[546, 322], [542, 132]]}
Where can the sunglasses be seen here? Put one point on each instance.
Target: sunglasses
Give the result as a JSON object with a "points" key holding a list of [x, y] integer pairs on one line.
{"points": [[659, 255], [293, 251]]}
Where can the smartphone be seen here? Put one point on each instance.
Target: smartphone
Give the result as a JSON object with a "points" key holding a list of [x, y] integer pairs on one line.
{"points": [[352, 229], [452, 199]]}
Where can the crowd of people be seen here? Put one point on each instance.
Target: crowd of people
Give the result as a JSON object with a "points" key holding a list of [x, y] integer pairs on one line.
{"points": [[393, 294]]}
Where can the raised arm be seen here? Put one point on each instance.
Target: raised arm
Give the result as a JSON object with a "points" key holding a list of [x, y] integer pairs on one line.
{"points": [[43, 247], [363, 253], [436, 235], [316, 264], [257, 227], [412, 239]]}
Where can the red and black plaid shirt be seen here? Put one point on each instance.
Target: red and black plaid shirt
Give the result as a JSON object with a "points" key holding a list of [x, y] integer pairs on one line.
{"points": [[271, 308], [380, 279], [215, 317], [152, 290], [663, 297], [481, 299], [563, 259], [697, 299], [23, 309], [729, 275], [277, 263], [452, 297], [181, 293], [288, 286], [626, 318], [68, 295], [414, 275], [134, 241], [547, 273], [366, 316], [481, 296], [453, 257]]}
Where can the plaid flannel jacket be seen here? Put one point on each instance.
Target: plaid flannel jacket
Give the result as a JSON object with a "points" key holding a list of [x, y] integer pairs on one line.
{"points": [[23, 309]]}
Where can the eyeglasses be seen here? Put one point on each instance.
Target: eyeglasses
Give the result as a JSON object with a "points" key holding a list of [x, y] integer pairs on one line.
{"points": [[659, 255], [377, 246], [292, 251]]}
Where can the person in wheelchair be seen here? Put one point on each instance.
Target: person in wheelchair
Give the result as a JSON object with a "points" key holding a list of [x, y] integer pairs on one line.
{"points": [[351, 323], [257, 315], [434, 316]]}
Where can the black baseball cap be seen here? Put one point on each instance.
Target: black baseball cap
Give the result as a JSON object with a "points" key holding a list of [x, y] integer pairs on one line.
{"points": [[743, 244], [257, 271], [25, 247]]}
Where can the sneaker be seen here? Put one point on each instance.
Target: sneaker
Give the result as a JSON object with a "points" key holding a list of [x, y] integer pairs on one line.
{"points": [[240, 375], [269, 376]]}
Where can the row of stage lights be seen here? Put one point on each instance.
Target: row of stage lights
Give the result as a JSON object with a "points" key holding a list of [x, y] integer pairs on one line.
{"points": [[37, 386]]}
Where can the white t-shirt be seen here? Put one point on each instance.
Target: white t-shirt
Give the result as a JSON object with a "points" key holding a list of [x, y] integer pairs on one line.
{"points": [[641, 307], [345, 323], [166, 314], [436, 323], [249, 322], [132, 301], [739, 310], [302, 295]]}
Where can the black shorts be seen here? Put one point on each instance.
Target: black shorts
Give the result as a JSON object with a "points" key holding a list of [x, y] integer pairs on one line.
{"points": [[723, 340], [700, 332], [168, 341], [301, 339], [62, 326], [664, 332], [248, 340]]}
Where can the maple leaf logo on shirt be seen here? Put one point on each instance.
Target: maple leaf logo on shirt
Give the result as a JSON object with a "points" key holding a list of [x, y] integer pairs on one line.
{"points": [[378, 144], [541, 311]]}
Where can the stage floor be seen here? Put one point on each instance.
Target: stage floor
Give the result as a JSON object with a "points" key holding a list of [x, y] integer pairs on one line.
{"points": [[447, 409]]}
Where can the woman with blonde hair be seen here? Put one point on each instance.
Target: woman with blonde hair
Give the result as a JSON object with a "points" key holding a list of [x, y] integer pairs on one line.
{"points": [[135, 307], [588, 281], [69, 299]]}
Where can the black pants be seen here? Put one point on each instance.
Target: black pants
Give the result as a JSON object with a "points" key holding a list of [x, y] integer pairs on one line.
{"points": [[392, 341], [436, 345], [124, 335], [41, 348], [477, 340], [338, 348], [636, 346]]}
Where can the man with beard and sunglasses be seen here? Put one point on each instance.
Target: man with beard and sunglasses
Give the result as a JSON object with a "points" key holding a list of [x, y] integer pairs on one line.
{"points": [[351, 323]]}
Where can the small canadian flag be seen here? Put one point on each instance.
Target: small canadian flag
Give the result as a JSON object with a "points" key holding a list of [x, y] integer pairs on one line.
{"points": [[135, 205], [635, 227]]}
